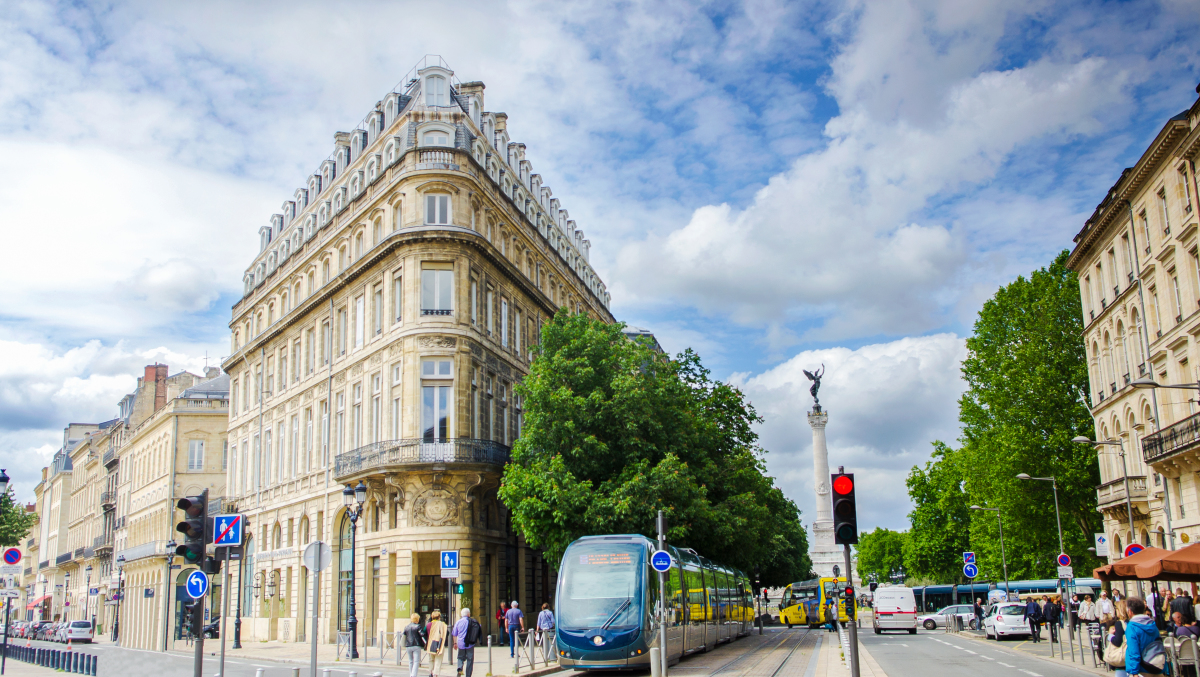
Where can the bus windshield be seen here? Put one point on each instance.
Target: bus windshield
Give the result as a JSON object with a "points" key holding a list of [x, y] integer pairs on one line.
{"points": [[600, 584]]}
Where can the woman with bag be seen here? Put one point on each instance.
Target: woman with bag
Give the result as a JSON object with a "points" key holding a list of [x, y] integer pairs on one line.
{"points": [[1144, 651], [436, 642], [1114, 644], [414, 643]]}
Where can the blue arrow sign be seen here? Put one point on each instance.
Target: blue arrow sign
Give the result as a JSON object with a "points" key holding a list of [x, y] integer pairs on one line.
{"points": [[197, 584], [970, 570], [661, 561], [449, 559], [227, 530]]}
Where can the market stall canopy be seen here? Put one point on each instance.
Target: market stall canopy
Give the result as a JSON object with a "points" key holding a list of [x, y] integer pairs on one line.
{"points": [[1176, 565], [1124, 569]]}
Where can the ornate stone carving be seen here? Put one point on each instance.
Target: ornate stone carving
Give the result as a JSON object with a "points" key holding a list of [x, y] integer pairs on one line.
{"points": [[437, 341], [435, 508], [340, 379], [356, 369], [396, 348], [394, 482], [476, 350], [376, 359]]}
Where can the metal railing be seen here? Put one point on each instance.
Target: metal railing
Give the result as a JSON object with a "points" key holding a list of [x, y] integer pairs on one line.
{"points": [[435, 311], [64, 558], [79, 552], [416, 451], [102, 541], [1173, 439], [109, 456], [44, 564], [108, 498]]}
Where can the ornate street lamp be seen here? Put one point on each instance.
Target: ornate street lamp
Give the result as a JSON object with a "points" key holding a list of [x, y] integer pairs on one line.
{"points": [[3, 481], [171, 545], [353, 498], [87, 600], [116, 633], [66, 596]]}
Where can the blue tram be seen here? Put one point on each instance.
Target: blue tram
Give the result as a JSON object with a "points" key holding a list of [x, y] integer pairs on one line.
{"points": [[608, 593]]}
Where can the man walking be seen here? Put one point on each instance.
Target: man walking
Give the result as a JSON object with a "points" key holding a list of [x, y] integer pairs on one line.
{"points": [[1033, 616], [467, 632], [1051, 614], [515, 620], [978, 614]]}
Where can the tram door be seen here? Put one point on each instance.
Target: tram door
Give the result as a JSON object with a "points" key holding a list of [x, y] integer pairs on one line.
{"points": [[431, 595]]}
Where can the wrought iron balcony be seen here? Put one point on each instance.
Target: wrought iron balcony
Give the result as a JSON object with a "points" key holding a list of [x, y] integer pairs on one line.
{"points": [[110, 456], [435, 311], [108, 499], [63, 558], [102, 541], [44, 564], [407, 453], [1174, 439], [1112, 493]]}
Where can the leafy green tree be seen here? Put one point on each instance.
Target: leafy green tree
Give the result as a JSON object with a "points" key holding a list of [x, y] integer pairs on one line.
{"points": [[1027, 380], [880, 552], [15, 522], [940, 518], [615, 431]]}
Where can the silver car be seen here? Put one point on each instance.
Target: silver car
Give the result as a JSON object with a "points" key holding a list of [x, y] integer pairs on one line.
{"points": [[938, 619], [1006, 619]]}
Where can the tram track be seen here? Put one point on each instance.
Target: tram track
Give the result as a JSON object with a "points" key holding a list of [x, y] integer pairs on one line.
{"points": [[750, 654]]}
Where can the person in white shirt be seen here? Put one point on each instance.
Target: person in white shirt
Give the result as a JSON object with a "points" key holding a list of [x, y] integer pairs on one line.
{"points": [[1104, 607]]}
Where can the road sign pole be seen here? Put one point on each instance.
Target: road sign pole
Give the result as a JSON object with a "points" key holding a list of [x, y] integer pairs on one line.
{"points": [[316, 574], [224, 614], [4, 655], [662, 594]]}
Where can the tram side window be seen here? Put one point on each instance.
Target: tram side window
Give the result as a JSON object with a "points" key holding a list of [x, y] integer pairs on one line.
{"points": [[674, 599], [695, 594]]}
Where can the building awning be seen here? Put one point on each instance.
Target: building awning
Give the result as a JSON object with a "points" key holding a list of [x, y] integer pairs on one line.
{"points": [[37, 601]]}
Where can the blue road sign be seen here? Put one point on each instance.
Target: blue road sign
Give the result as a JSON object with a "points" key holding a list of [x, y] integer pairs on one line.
{"points": [[93, 591], [1064, 560], [227, 530], [968, 558], [970, 570], [449, 559], [197, 584], [661, 561]]}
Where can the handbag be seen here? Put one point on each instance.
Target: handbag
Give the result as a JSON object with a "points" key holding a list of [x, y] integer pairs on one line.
{"points": [[1114, 655]]}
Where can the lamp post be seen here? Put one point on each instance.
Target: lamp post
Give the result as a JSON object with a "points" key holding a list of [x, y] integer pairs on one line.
{"points": [[1003, 559], [42, 605], [66, 596], [353, 498], [87, 600], [237, 619], [171, 546], [116, 633]]}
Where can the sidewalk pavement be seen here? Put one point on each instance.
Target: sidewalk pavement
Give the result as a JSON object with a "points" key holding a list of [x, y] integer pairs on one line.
{"points": [[831, 662], [1042, 650], [370, 659]]}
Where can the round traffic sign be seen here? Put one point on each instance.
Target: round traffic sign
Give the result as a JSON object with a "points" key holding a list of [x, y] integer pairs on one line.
{"points": [[1133, 549], [970, 570], [1064, 560], [12, 556], [661, 561], [197, 584], [318, 556]]}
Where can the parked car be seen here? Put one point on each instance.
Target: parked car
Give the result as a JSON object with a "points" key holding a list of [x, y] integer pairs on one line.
{"points": [[964, 611], [79, 631], [1006, 619]]}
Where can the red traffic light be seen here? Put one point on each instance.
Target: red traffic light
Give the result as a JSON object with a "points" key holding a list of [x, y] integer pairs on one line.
{"points": [[843, 485], [849, 592]]}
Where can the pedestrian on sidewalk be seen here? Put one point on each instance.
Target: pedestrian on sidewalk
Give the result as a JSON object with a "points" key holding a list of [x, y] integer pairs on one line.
{"points": [[1183, 628], [1104, 607], [545, 626], [1051, 612], [467, 633], [1073, 612], [500, 621], [1183, 604], [1141, 633], [436, 635], [414, 643], [514, 618], [978, 614], [831, 616], [1114, 647], [1033, 616]]}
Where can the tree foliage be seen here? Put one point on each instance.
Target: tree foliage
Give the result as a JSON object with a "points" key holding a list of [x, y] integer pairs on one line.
{"points": [[880, 552], [615, 431], [1026, 375], [15, 522], [940, 519]]}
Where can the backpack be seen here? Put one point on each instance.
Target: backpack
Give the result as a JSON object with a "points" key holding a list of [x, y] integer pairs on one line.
{"points": [[474, 632]]}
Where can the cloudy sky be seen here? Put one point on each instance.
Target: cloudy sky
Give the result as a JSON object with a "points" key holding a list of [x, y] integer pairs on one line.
{"points": [[776, 184]]}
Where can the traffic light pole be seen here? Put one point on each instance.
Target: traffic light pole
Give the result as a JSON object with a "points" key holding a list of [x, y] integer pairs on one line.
{"points": [[852, 625]]}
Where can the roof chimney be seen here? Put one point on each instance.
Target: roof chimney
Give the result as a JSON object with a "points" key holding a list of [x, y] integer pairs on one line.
{"points": [[158, 372], [211, 372]]}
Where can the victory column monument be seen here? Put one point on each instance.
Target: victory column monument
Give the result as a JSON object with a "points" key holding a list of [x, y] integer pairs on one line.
{"points": [[821, 549]]}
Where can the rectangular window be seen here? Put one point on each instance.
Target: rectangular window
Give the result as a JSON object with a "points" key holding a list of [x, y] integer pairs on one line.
{"points": [[1187, 188], [437, 209], [487, 310], [475, 403], [397, 392], [296, 361], [233, 397], [283, 369], [356, 421], [324, 434], [196, 455], [377, 309], [1178, 298], [326, 343], [225, 455], [1179, 494], [517, 334], [1163, 214], [308, 439], [504, 322], [294, 448], [341, 329], [270, 382], [1154, 308], [360, 321], [377, 408], [437, 291], [257, 464], [246, 392], [1145, 223], [339, 424], [309, 362], [397, 299], [474, 302], [436, 399]]}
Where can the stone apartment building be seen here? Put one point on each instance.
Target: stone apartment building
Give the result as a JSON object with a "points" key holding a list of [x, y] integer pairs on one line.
{"points": [[108, 497], [1139, 276], [385, 321]]}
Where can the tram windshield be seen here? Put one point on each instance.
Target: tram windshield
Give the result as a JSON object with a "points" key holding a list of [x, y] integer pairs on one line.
{"points": [[600, 586]]}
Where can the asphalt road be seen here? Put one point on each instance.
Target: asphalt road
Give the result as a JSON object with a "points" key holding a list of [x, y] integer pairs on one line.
{"points": [[904, 655]]}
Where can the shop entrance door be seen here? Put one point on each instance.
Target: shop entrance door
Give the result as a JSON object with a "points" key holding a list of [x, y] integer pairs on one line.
{"points": [[431, 595]]}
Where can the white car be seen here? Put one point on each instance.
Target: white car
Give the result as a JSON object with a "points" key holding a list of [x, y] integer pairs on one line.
{"points": [[1006, 619], [934, 620], [78, 631]]}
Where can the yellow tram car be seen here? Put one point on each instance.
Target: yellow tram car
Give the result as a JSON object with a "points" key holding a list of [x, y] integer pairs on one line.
{"points": [[805, 602]]}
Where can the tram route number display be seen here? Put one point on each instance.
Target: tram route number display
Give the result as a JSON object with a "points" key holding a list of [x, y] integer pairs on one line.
{"points": [[607, 559]]}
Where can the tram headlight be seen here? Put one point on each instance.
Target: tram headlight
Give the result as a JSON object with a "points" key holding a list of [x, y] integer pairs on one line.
{"points": [[598, 640]]}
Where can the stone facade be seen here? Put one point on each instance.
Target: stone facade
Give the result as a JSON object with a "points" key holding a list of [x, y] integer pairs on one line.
{"points": [[390, 312], [1139, 277]]}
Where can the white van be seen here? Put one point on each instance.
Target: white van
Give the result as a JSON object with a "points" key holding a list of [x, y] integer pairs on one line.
{"points": [[895, 609]]}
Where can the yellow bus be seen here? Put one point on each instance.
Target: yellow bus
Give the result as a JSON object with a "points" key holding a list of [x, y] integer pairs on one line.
{"points": [[805, 602]]}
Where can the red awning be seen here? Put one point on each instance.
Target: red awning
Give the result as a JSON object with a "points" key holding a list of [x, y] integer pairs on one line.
{"points": [[37, 601]]}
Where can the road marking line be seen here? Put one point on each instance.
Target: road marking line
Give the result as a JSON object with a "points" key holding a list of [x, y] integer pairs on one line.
{"points": [[1005, 664], [969, 651], [988, 658], [1031, 673]]}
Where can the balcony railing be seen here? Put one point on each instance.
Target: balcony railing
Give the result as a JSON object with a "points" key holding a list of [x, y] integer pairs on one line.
{"points": [[109, 456], [108, 498], [1114, 491], [416, 452], [1171, 440], [79, 552], [30, 542], [102, 541], [1142, 369], [44, 564], [436, 159], [63, 558], [119, 523], [435, 311]]}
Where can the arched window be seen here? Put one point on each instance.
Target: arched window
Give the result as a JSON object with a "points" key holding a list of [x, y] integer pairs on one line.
{"points": [[358, 246], [325, 271], [304, 530], [435, 91], [277, 537], [341, 259], [376, 232]]}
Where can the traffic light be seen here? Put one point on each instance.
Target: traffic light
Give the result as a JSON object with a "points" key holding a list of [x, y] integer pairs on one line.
{"points": [[874, 586], [212, 566], [459, 589], [845, 515], [194, 528], [851, 603]]}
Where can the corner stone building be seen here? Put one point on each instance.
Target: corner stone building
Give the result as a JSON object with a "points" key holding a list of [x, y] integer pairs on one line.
{"points": [[1139, 277], [391, 310]]}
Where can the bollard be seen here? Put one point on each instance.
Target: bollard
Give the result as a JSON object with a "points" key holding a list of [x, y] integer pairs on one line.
{"points": [[655, 663], [489, 672], [325, 672], [92, 667], [295, 672], [258, 672]]}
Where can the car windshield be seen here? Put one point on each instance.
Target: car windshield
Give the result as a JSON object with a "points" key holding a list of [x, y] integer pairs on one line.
{"points": [[81, 624]]}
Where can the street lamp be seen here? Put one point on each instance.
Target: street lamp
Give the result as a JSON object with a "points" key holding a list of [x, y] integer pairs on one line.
{"points": [[1003, 559], [1054, 485], [353, 498], [3, 481], [42, 606], [116, 633], [66, 595], [87, 601], [171, 545]]}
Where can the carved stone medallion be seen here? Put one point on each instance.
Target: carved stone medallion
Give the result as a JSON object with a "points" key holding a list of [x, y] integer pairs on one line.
{"points": [[437, 341], [436, 508]]}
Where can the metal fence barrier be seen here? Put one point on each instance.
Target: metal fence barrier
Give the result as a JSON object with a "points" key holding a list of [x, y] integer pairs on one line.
{"points": [[66, 661]]}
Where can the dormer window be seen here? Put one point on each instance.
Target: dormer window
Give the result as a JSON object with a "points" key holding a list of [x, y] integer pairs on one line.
{"points": [[437, 138], [435, 91]]}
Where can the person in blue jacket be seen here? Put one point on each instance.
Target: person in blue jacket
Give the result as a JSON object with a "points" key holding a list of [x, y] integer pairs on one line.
{"points": [[1139, 632]]}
